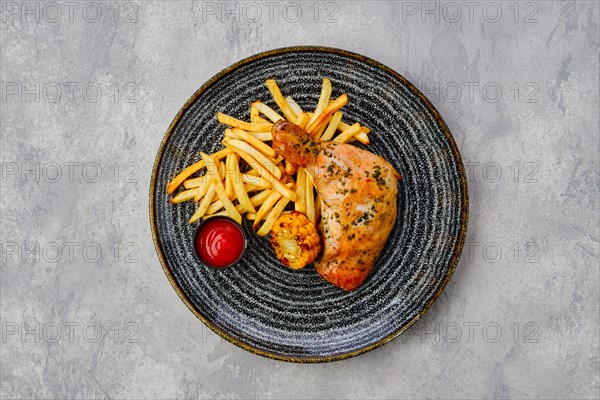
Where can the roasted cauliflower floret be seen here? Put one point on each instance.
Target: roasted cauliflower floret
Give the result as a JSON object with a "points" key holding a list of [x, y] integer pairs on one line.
{"points": [[295, 240]]}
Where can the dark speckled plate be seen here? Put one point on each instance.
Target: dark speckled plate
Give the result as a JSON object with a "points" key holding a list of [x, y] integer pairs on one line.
{"points": [[270, 310]]}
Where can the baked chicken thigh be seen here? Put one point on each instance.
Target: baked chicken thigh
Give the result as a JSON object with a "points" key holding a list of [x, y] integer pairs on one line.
{"points": [[358, 192]]}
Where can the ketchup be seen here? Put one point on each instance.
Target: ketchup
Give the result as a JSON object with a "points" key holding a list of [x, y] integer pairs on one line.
{"points": [[219, 242]]}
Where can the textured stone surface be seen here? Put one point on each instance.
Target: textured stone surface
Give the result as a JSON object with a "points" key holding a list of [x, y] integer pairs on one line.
{"points": [[86, 310]]}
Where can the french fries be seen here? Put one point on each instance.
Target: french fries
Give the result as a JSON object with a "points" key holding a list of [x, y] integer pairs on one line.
{"points": [[267, 111], [211, 169], [189, 171], [240, 146], [294, 106], [255, 115], [201, 190], [273, 215], [195, 182], [347, 134], [331, 108], [256, 181], [247, 126], [317, 207], [184, 196], [230, 162], [281, 101], [262, 136], [250, 187], [300, 204], [254, 142], [323, 99], [309, 199], [332, 127], [266, 207], [240, 190], [361, 136], [206, 200], [225, 186], [321, 127], [302, 120], [265, 173]]}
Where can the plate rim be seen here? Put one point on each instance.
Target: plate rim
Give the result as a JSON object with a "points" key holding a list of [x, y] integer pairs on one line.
{"points": [[159, 157]]}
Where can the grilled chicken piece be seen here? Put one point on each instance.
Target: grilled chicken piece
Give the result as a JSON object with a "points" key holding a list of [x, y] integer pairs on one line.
{"points": [[358, 192]]}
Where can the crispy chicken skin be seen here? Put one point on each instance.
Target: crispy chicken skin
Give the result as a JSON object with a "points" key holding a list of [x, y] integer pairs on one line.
{"points": [[358, 192]]}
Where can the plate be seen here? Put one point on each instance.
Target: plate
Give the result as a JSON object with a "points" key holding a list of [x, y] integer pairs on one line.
{"points": [[297, 316]]}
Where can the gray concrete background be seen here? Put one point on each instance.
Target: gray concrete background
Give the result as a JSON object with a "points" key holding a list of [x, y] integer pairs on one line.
{"points": [[88, 90]]}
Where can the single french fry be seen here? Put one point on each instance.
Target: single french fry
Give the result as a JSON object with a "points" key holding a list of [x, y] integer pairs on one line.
{"points": [[220, 175], [264, 172], [262, 136], [258, 181], [215, 206], [362, 137], [300, 204], [310, 199], [256, 200], [184, 196], [348, 133], [203, 206], [302, 120], [293, 105], [317, 207], [260, 198], [323, 99], [230, 168], [329, 110], [266, 162], [250, 187], [321, 128], [229, 134], [261, 120], [254, 142], [310, 178], [202, 190], [280, 100], [290, 168], [266, 207], [222, 170], [251, 216], [247, 126], [255, 115], [273, 215], [342, 126], [332, 127], [197, 166], [195, 182], [240, 190], [219, 189], [267, 111]]}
